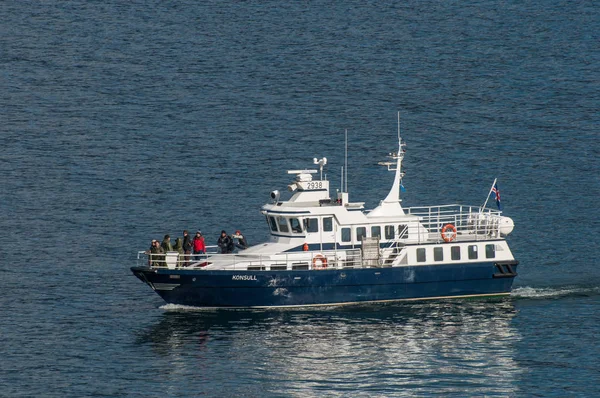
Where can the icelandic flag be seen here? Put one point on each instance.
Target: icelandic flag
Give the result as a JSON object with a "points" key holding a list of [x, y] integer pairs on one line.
{"points": [[496, 192]]}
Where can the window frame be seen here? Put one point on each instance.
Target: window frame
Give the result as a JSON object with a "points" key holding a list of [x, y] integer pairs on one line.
{"points": [[359, 236], [438, 253], [472, 252], [376, 234], [402, 231], [392, 235], [285, 224], [421, 255], [327, 228], [308, 225], [454, 250], [273, 224], [490, 250], [295, 231], [346, 234]]}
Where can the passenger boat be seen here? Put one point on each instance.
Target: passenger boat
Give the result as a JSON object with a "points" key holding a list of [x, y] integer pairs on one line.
{"points": [[331, 251]]}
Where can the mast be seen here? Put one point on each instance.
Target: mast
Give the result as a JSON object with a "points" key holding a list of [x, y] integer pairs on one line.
{"points": [[346, 162], [391, 204], [394, 194]]}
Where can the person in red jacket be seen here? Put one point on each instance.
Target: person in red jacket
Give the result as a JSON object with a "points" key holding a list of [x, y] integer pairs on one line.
{"points": [[199, 245]]}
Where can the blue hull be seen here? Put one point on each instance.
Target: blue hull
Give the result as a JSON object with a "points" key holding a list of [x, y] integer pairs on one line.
{"points": [[326, 287]]}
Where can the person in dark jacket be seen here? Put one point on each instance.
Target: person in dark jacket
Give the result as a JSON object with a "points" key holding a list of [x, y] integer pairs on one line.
{"points": [[225, 243], [187, 247]]}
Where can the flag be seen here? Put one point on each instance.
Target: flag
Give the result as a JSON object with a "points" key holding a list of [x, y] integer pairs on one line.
{"points": [[496, 192], [402, 187]]}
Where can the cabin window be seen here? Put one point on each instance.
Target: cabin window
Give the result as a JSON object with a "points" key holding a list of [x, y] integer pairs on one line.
{"points": [[311, 224], [490, 251], [295, 224], [346, 235], [328, 224], [389, 232], [455, 252], [360, 233], [421, 255], [376, 232], [273, 224], [282, 222], [438, 254], [402, 231], [473, 252]]}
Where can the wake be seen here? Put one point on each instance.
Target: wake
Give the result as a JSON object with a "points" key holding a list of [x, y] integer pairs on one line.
{"points": [[555, 292]]}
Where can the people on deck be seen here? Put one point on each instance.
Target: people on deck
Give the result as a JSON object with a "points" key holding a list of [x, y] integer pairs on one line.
{"points": [[178, 245], [150, 251], [241, 240], [166, 244], [156, 257], [187, 247], [225, 243], [199, 245]]}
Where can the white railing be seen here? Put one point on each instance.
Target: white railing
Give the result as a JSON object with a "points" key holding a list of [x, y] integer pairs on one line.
{"points": [[328, 259], [471, 222]]}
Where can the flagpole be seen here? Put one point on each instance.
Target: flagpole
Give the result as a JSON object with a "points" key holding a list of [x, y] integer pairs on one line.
{"points": [[488, 196]]}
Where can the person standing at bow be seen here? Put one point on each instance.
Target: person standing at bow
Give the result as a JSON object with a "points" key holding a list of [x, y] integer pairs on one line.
{"points": [[199, 245], [187, 248], [166, 244], [225, 243]]}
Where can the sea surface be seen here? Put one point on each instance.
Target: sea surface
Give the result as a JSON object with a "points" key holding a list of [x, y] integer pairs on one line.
{"points": [[122, 121]]}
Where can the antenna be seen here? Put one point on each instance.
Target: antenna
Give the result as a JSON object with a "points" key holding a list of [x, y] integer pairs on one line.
{"points": [[342, 179], [346, 163], [398, 125]]}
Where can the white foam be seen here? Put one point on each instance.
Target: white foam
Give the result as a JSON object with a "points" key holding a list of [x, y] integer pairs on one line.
{"points": [[532, 292], [180, 308]]}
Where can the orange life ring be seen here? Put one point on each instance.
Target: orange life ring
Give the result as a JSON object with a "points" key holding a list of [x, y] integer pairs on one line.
{"points": [[446, 235], [322, 259]]}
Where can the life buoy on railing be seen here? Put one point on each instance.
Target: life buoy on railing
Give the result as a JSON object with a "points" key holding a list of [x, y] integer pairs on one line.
{"points": [[448, 232], [321, 260]]}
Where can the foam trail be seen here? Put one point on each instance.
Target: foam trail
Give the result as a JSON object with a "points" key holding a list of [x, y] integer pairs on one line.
{"points": [[549, 292], [180, 308]]}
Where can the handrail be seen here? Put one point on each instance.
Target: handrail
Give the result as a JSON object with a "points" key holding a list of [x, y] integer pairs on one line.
{"points": [[295, 260], [474, 222]]}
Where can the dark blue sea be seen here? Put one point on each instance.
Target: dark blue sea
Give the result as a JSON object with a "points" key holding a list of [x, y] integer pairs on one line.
{"points": [[122, 121]]}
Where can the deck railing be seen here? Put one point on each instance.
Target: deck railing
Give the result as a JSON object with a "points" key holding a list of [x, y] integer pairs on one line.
{"points": [[471, 222], [328, 259]]}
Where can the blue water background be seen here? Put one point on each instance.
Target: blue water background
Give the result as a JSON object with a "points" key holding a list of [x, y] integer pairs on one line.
{"points": [[123, 121]]}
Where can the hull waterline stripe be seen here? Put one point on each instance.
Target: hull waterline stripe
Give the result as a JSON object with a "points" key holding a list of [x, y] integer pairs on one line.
{"points": [[353, 302]]}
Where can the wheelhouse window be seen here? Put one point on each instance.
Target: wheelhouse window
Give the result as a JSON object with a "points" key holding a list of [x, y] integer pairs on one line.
{"points": [[402, 231], [421, 255], [490, 251], [455, 252], [328, 224], [360, 233], [273, 224], [376, 232], [346, 237], [438, 254], [283, 226], [389, 232], [311, 224], [473, 252], [296, 226]]}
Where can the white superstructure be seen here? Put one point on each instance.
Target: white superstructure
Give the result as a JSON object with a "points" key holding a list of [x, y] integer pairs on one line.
{"points": [[312, 230]]}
